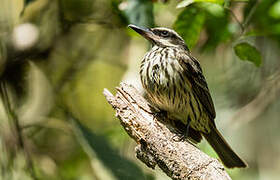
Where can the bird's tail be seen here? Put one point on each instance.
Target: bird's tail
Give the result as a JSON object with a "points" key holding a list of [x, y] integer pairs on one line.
{"points": [[229, 158]]}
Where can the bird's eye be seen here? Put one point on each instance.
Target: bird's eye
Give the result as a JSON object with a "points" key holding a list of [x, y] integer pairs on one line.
{"points": [[164, 33]]}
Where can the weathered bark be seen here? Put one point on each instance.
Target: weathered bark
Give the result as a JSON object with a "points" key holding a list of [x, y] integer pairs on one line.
{"points": [[156, 142]]}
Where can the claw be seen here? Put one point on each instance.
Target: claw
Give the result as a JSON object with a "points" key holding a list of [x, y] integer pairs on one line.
{"points": [[160, 114], [179, 137], [184, 134]]}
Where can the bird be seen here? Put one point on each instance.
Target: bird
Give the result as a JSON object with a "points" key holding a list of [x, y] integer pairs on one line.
{"points": [[174, 83]]}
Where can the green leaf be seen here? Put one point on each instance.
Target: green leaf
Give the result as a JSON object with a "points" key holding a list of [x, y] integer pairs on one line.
{"points": [[140, 12], [185, 3], [189, 24], [247, 52]]}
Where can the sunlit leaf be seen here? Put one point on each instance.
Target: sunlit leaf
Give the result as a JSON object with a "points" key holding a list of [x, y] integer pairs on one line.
{"points": [[185, 3], [10, 12], [274, 11], [189, 24], [214, 9], [247, 52], [38, 101], [33, 8]]}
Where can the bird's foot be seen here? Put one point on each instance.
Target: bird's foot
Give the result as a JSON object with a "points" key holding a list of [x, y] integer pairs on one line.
{"points": [[179, 137], [183, 134], [160, 114]]}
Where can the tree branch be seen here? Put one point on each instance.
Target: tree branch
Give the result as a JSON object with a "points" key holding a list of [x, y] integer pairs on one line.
{"points": [[156, 142]]}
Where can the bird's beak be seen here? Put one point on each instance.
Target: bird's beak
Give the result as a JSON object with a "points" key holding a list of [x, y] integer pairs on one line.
{"points": [[145, 32]]}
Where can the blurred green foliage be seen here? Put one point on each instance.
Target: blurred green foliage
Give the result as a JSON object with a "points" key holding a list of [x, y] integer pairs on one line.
{"points": [[57, 56], [95, 146], [186, 3], [140, 12], [189, 24]]}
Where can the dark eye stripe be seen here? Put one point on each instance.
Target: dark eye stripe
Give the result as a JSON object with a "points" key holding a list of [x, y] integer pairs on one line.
{"points": [[157, 32]]}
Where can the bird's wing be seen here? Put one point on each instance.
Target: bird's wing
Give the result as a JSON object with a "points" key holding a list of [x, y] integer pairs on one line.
{"points": [[194, 74]]}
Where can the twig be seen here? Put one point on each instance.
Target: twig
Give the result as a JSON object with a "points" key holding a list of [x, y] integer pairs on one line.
{"points": [[11, 115], [156, 142], [250, 15], [13, 119], [236, 19], [244, 25]]}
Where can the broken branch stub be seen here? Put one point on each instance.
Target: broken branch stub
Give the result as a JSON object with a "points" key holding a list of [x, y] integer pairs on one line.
{"points": [[156, 143]]}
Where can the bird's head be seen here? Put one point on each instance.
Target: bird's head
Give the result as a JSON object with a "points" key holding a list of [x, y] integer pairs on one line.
{"points": [[161, 36]]}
